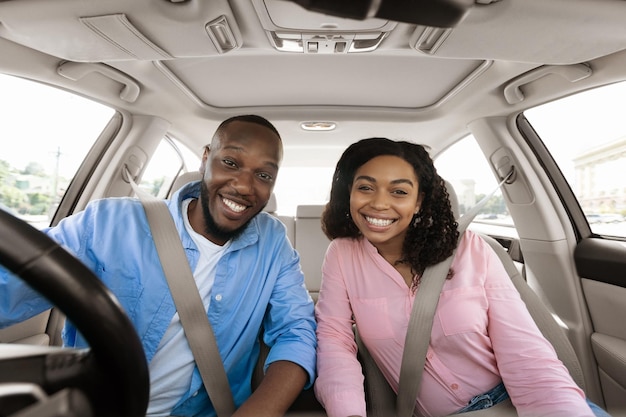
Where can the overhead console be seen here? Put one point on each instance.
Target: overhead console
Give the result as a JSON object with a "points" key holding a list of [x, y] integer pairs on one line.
{"points": [[291, 28]]}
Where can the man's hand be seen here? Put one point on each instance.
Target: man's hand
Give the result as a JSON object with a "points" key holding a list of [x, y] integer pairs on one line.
{"points": [[279, 388]]}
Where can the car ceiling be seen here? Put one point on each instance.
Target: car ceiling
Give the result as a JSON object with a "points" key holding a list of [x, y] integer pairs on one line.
{"points": [[189, 62]]}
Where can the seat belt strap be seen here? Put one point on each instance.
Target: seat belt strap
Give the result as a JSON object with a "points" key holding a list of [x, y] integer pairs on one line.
{"points": [[191, 311], [421, 320], [542, 316]]}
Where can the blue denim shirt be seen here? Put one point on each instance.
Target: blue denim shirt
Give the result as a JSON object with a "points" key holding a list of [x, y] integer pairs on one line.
{"points": [[258, 283]]}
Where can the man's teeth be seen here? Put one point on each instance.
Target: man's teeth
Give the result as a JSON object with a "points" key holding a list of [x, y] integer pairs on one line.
{"points": [[378, 222], [234, 206]]}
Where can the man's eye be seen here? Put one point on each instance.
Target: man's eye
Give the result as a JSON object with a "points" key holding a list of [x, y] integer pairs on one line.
{"points": [[229, 163], [265, 176]]}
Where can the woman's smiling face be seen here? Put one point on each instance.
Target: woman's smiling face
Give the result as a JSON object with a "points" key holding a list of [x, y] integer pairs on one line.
{"points": [[384, 198]]}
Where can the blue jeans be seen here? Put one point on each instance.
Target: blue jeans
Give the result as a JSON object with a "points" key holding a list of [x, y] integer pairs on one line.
{"points": [[499, 394], [597, 411], [492, 397]]}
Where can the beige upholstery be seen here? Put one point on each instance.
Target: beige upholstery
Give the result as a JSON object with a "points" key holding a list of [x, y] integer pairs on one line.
{"points": [[183, 179], [454, 199], [30, 332], [271, 205], [288, 221], [311, 243], [290, 225]]}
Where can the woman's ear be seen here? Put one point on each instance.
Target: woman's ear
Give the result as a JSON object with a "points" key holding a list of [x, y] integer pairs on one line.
{"points": [[418, 204]]}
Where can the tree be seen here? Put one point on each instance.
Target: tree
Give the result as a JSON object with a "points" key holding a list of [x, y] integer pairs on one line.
{"points": [[5, 169], [34, 168], [13, 197], [39, 203], [495, 205]]}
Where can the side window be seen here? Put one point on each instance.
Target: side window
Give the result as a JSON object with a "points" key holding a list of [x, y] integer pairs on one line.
{"points": [[169, 160], [471, 185], [586, 135], [46, 133]]}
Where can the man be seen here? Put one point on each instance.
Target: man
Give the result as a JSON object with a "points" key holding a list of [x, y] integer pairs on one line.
{"points": [[247, 273]]}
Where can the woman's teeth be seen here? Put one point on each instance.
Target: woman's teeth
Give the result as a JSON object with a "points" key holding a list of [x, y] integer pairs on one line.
{"points": [[378, 222]]}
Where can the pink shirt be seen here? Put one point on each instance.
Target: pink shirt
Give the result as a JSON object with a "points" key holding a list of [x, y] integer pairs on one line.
{"points": [[482, 334]]}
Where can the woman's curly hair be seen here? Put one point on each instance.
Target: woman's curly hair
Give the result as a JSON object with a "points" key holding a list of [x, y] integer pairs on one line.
{"points": [[433, 234]]}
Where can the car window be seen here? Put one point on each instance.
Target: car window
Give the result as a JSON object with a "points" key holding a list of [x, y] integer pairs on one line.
{"points": [[472, 185], [168, 161], [586, 135], [45, 135]]}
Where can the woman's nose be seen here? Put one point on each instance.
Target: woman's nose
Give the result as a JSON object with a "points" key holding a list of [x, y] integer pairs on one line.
{"points": [[380, 201]]}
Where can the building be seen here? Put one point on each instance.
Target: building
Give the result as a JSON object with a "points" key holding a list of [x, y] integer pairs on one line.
{"points": [[599, 178]]}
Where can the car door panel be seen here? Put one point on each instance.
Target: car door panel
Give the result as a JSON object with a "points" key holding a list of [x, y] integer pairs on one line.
{"points": [[602, 265]]}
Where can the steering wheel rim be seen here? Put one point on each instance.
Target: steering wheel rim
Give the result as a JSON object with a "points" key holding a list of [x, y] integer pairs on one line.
{"points": [[68, 284]]}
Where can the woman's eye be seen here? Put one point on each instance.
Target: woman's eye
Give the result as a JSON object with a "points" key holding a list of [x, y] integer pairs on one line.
{"points": [[400, 192]]}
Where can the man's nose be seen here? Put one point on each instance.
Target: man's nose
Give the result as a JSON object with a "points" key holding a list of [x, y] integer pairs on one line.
{"points": [[243, 182]]}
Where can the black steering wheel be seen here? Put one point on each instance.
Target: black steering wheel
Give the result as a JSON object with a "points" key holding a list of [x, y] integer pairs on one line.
{"points": [[111, 377]]}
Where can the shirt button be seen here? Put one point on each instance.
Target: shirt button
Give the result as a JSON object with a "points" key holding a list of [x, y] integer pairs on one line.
{"points": [[430, 356], [194, 394], [454, 386], [218, 297]]}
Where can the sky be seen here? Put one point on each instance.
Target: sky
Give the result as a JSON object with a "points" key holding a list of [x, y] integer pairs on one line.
{"points": [[580, 123], [23, 141]]}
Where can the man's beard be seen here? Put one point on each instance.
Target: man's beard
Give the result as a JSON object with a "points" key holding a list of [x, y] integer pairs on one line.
{"points": [[212, 228]]}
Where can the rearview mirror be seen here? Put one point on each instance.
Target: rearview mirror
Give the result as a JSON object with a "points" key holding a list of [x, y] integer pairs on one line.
{"points": [[437, 13]]}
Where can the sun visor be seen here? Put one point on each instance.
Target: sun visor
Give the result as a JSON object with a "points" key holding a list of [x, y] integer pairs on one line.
{"points": [[125, 31]]}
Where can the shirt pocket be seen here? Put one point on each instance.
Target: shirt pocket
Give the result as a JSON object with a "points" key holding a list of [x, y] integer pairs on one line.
{"points": [[463, 310], [127, 290], [372, 317]]}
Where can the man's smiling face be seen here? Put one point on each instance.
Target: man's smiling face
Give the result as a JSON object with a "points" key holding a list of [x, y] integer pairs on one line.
{"points": [[241, 171]]}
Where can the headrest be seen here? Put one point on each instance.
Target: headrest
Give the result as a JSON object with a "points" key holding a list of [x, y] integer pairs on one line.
{"points": [[310, 211], [184, 178], [272, 205], [454, 199]]}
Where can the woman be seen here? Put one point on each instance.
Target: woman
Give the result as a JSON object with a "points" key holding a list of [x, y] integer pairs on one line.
{"points": [[389, 217]]}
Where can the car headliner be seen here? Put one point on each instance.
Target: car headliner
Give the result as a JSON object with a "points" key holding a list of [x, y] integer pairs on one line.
{"points": [[421, 83]]}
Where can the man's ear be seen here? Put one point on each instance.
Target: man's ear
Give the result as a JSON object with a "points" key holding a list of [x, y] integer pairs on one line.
{"points": [[205, 158]]}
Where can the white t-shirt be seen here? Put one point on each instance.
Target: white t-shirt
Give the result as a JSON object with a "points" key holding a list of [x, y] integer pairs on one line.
{"points": [[172, 366]]}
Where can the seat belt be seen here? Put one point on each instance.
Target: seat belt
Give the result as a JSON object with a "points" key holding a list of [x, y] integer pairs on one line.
{"points": [[421, 320], [191, 311], [542, 316]]}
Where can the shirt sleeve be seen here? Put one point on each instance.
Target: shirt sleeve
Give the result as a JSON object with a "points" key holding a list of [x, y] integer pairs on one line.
{"points": [[290, 323], [339, 386], [536, 380], [18, 301]]}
